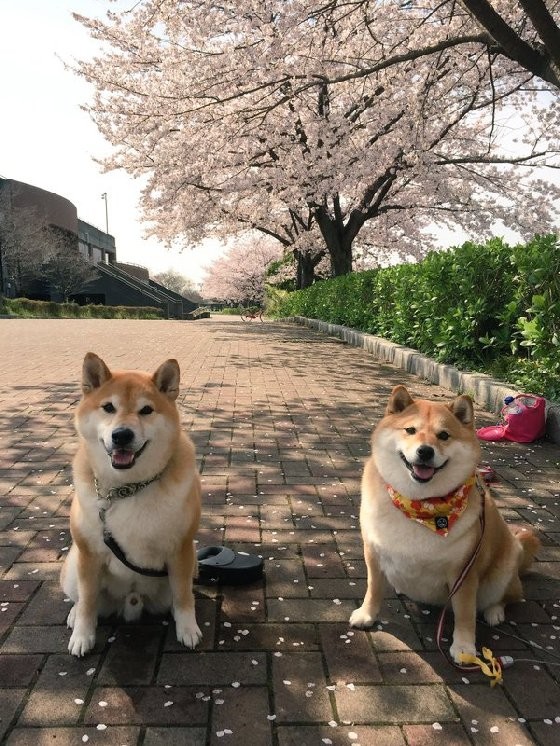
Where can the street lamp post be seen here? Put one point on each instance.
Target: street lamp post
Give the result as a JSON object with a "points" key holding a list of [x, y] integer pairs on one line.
{"points": [[104, 197]]}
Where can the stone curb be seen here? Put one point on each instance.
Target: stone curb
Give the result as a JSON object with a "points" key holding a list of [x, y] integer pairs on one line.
{"points": [[486, 392]]}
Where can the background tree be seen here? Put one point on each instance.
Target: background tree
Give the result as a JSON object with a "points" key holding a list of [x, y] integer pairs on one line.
{"points": [[295, 230], [67, 271], [26, 244], [240, 275], [257, 112], [177, 282]]}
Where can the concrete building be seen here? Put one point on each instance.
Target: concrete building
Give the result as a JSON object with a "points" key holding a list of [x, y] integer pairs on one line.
{"points": [[95, 245], [47, 207], [30, 215]]}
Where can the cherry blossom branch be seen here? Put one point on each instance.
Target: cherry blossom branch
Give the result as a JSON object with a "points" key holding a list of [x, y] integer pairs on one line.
{"points": [[510, 43]]}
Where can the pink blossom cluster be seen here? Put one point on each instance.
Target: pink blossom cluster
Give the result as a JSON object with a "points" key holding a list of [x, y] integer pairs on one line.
{"points": [[240, 275]]}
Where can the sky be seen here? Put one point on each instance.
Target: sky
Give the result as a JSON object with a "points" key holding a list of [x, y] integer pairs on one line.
{"points": [[48, 141]]}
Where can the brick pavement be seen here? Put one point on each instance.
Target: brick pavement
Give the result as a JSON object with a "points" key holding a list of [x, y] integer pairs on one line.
{"points": [[281, 417]]}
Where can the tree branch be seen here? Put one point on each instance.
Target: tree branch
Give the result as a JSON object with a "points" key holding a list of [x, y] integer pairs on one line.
{"points": [[489, 160], [546, 28], [510, 43]]}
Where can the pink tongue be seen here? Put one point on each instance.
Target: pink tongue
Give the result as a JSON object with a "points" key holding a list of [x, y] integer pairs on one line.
{"points": [[122, 457], [423, 472]]}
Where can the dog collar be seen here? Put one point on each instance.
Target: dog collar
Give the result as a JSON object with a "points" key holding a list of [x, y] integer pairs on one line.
{"points": [[436, 513], [125, 490]]}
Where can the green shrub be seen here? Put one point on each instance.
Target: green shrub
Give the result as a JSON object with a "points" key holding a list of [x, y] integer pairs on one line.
{"points": [[71, 310], [275, 297], [26, 308], [491, 307]]}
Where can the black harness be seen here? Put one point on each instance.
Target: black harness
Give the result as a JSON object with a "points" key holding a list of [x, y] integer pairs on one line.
{"points": [[119, 493]]}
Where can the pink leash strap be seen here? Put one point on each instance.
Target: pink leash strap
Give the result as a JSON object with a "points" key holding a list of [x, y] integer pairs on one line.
{"points": [[456, 585]]}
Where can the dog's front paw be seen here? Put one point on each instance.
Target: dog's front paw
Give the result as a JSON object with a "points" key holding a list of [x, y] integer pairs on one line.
{"points": [[362, 618], [188, 632], [82, 640], [495, 614], [461, 647]]}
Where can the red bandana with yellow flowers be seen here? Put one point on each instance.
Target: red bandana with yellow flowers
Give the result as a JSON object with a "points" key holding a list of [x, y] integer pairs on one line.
{"points": [[437, 513]]}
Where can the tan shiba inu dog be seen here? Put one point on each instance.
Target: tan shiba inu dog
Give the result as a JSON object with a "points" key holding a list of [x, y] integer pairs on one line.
{"points": [[136, 507], [420, 518]]}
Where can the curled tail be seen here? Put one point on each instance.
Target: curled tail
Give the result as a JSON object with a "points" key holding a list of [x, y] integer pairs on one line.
{"points": [[133, 606], [530, 545]]}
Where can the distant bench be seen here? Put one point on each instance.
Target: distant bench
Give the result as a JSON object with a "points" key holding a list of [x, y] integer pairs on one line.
{"points": [[198, 313]]}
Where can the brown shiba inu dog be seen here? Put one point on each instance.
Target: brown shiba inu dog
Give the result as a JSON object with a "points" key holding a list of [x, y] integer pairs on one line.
{"points": [[137, 504], [420, 518]]}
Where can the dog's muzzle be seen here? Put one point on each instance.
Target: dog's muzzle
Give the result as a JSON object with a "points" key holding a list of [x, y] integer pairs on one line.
{"points": [[122, 454], [423, 469]]}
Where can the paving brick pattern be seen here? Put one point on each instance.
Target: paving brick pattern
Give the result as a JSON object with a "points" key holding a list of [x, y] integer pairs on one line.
{"points": [[281, 417]]}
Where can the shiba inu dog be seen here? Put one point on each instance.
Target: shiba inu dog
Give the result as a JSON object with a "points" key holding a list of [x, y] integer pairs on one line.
{"points": [[136, 507], [421, 518]]}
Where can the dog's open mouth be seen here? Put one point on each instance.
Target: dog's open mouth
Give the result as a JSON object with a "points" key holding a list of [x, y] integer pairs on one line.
{"points": [[421, 472], [125, 458]]}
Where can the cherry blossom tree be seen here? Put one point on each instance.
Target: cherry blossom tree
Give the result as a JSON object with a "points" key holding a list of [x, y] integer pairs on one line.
{"points": [[239, 276], [323, 127], [178, 283], [295, 230]]}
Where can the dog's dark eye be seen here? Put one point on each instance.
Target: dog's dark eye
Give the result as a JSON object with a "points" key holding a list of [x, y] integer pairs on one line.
{"points": [[444, 435], [410, 430], [109, 408], [146, 410]]}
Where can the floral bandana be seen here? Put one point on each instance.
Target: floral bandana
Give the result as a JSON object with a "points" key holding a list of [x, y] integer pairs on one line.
{"points": [[436, 513]]}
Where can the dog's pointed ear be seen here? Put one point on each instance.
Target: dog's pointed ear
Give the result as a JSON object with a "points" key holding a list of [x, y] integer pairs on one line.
{"points": [[399, 400], [94, 373], [167, 378], [463, 409]]}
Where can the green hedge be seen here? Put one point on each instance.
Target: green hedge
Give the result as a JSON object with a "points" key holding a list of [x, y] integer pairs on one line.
{"points": [[492, 308], [47, 310]]}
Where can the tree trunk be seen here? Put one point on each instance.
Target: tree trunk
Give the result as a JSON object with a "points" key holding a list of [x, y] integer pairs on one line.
{"points": [[305, 271], [338, 240], [340, 253]]}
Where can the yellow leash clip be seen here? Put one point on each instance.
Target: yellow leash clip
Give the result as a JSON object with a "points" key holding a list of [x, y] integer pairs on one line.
{"points": [[492, 669]]}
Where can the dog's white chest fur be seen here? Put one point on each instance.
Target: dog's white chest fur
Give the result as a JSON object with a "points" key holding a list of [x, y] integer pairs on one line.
{"points": [[415, 560], [148, 526]]}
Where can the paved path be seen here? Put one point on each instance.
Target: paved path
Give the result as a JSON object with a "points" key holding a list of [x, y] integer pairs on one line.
{"points": [[281, 417]]}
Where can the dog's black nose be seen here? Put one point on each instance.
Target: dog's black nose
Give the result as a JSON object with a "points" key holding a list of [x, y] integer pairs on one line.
{"points": [[425, 453], [122, 436]]}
